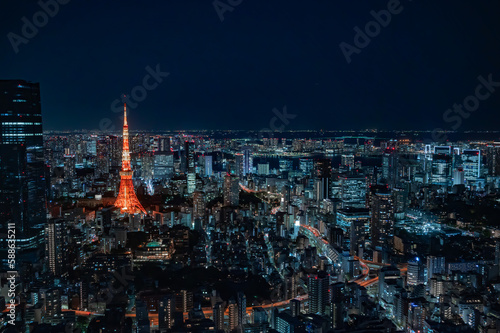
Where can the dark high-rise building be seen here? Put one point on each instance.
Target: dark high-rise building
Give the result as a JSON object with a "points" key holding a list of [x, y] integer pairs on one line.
{"points": [[231, 190], [54, 245], [493, 159], [103, 158], [191, 171], [199, 205], [436, 265], [295, 307], [356, 221], [242, 308], [390, 161], [415, 273], [163, 143], [52, 302], [166, 311], [416, 316], [21, 116], [115, 151], [323, 175], [317, 285], [233, 314], [218, 315], [84, 294], [22, 169], [247, 162], [141, 313], [382, 211], [337, 306], [189, 152], [243, 162]]}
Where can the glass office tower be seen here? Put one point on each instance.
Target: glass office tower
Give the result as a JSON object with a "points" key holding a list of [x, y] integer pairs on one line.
{"points": [[23, 185]]}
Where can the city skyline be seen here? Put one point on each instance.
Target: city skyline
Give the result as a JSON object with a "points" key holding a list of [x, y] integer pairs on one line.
{"points": [[237, 166], [172, 232]]}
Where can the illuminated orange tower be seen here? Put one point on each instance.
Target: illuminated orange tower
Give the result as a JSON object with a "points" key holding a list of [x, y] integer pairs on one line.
{"points": [[127, 200]]}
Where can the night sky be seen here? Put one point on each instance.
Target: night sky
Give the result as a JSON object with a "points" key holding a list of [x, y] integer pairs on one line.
{"points": [[265, 54]]}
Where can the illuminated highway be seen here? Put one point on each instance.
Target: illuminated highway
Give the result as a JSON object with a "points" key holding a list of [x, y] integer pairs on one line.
{"points": [[331, 253], [365, 264], [207, 311]]}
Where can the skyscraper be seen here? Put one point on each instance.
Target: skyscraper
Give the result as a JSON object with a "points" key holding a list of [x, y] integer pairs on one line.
{"points": [[233, 314], [416, 316], [493, 159], [242, 308], [295, 307], [382, 211], [458, 176], [54, 245], [337, 311], [21, 117], [347, 161], [306, 165], [231, 190], [162, 143], [127, 200], [199, 204], [141, 313], [441, 169], [263, 169], [356, 221], [208, 165], [390, 161], [52, 302], [218, 315], [163, 165], [415, 272], [471, 163], [323, 174], [191, 172], [247, 161], [22, 168], [285, 165], [166, 310], [353, 191], [238, 161], [435, 265], [317, 285]]}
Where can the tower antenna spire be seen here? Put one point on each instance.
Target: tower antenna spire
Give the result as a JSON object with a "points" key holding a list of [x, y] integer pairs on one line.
{"points": [[125, 123]]}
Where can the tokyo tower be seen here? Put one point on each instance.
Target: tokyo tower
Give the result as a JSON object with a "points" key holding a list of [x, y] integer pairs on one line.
{"points": [[127, 200]]}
